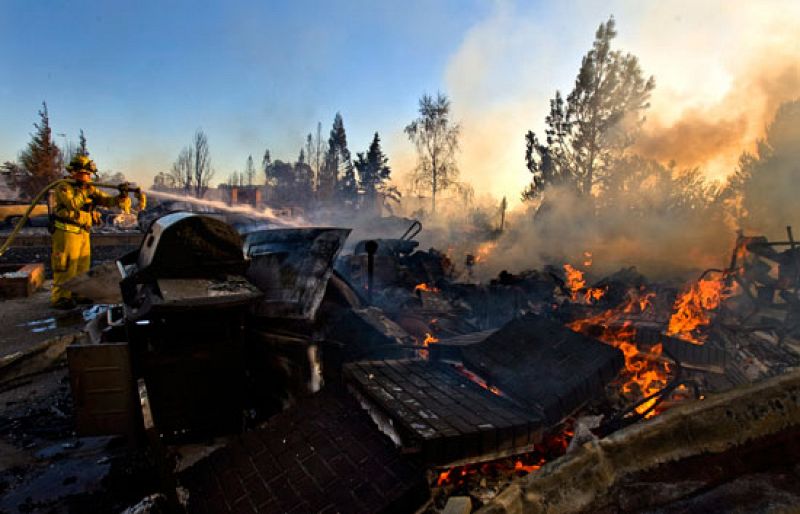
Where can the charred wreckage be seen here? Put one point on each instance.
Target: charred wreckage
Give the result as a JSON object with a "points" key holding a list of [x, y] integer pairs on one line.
{"points": [[373, 381]]}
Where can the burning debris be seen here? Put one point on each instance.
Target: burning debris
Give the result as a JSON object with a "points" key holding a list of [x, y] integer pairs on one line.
{"points": [[268, 338]]}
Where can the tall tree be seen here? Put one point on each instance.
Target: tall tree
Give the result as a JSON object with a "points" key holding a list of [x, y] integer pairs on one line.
{"points": [[202, 171], [303, 181], [373, 172], [163, 181], [337, 177], [181, 173], [599, 120], [42, 160], [436, 139], [250, 170]]}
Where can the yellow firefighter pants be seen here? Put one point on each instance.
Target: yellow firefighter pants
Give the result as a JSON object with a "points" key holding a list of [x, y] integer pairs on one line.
{"points": [[71, 256]]}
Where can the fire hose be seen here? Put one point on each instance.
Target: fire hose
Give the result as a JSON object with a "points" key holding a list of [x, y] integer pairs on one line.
{"points": [[124, 189]]}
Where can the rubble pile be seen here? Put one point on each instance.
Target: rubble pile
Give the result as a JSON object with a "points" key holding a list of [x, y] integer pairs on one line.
{"points": [[380, 380]]}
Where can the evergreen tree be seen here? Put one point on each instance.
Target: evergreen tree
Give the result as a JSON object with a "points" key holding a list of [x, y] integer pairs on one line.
{"points": [[42, 159], [373, 172], [599, 120], [337, 177]]}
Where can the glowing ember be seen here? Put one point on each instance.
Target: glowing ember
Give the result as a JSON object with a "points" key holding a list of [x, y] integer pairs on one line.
{"points": [[483, 251], [478, 380], [425, 287], [429, 340], [692, 309], [645, 371], [552, 447]]}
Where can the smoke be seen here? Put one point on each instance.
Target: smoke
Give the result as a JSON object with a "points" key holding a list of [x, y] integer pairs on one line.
{"points": [[722, 70], [770, 196], [713, 136]]}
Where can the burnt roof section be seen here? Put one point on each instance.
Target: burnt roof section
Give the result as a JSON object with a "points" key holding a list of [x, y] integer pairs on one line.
{"points": [[441, 413], [323, 455], [544, 365]]}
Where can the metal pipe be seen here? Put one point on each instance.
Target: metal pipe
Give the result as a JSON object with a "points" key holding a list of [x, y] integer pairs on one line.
{"points": [[371, 247]]}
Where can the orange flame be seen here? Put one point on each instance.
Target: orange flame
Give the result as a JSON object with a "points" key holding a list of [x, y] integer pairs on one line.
{"points": [[692, 310], [645, 372], [552, 447], [478, 380], [576, 283], [425, 287], [483, 251], [429, 340]]}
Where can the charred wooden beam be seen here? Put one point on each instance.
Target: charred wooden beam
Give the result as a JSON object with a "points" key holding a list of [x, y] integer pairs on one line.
{"points": [[584, 481]]}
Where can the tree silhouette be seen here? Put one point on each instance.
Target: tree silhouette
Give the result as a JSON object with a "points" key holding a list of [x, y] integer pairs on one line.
{"points": [[599, 120], [42, 160], [436, 140]]}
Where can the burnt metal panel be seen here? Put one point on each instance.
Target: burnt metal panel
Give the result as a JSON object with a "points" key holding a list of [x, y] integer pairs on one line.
{"points": [[292, 268], [544, 365], [106, 401], [193, 365]]}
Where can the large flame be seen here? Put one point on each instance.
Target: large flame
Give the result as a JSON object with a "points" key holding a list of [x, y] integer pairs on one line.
{"points": [[645, 371], [692, 310]]}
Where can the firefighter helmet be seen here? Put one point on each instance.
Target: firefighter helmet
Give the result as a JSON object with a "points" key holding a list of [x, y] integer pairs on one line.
{"points": [[81, 163]]}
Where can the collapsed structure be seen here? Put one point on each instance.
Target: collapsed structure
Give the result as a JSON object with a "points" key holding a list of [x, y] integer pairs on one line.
{"points": [[374, 382]]}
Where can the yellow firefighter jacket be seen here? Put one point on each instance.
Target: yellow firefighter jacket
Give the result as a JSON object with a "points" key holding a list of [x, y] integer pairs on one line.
{"points": [[75, 206]]}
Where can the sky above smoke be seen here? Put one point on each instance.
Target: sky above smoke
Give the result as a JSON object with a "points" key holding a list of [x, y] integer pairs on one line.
{"points": [[140, 77]]}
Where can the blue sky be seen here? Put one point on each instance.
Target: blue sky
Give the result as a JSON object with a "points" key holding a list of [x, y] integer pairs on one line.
{"points": [[141, 76]]}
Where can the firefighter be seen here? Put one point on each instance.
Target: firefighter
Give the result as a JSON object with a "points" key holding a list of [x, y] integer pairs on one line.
{"points": [[74, 213]]}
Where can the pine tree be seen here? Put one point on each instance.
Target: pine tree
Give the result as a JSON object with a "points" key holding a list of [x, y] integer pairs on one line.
{"points": [[42, 159], [373, 173], [590, 131], [337, 177]]}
